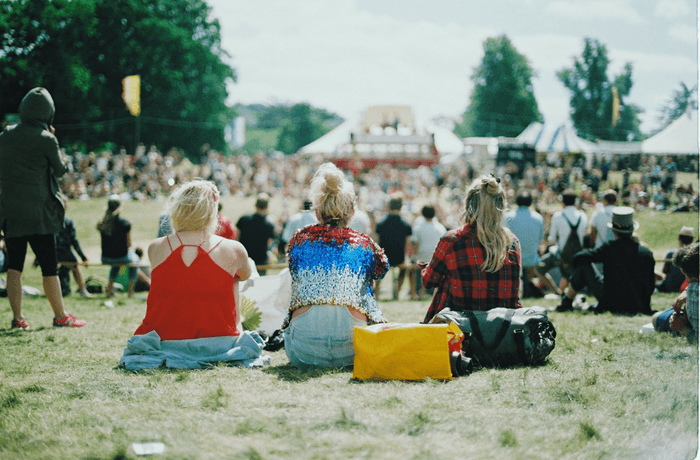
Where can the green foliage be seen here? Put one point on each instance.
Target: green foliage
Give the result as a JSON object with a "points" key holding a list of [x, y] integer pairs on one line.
{"points": [[503, 101], [283, 127], [592, 96], [80, 51], [681, 100]]}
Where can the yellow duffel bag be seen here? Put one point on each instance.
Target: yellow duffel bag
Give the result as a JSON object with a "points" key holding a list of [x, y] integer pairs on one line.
{"points": [[396, 351]]}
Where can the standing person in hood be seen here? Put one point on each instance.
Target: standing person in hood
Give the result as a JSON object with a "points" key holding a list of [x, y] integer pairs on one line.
{"points": [[31, 209]]}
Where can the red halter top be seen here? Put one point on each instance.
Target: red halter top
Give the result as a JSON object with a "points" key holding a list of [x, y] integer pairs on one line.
{"points": [[190, 302]]}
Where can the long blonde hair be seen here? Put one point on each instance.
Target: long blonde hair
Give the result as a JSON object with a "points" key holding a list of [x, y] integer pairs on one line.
{"points": [[484, 207], [194, 206], [332, 195]]}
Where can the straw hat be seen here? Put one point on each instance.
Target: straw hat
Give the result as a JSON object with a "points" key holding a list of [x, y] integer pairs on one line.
{"points": [[687, 231]]}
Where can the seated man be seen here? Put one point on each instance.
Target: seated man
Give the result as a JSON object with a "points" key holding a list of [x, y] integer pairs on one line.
{"points": [[627, 281], [682, 318]]}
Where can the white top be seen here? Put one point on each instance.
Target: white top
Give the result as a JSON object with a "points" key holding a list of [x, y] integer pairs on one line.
{"points": [[559, 229], [427, 234], [600, 220]]}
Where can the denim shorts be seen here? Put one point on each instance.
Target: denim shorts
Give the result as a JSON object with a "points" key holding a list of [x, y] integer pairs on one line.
{"points": [[129, 258], [321, 337], [663, 321]]}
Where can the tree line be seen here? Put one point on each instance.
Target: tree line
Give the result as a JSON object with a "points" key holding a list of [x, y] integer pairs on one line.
{"points": [[80, 50], [503, 102]]}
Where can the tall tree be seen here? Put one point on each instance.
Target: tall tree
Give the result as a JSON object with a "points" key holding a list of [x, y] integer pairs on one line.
{"points": [[503, 102], [595, 110], [81, 49], [682, 99]]}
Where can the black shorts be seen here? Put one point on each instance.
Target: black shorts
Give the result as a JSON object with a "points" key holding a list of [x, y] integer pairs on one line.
{"points": [[44, 247]]}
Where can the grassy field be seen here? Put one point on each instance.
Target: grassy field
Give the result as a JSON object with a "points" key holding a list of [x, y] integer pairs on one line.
{"points": [[607, 391]]}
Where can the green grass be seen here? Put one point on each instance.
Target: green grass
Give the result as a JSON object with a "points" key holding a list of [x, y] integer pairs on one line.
{"points": [[606, 392]]}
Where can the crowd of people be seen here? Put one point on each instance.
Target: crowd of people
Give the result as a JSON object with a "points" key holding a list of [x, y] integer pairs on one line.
{"points": [[465, 245]]}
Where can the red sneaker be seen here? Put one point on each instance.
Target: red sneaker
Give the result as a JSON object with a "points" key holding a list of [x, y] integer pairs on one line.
{"points": [[20, 324], [69, 321]]}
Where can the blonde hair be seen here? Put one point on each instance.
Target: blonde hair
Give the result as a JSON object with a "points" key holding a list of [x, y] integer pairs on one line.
{"points": [[193, 206], [332, 195], [483, 208]]}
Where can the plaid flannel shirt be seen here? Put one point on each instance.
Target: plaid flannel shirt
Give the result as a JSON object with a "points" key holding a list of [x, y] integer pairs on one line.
{"points": [[461, 285]]}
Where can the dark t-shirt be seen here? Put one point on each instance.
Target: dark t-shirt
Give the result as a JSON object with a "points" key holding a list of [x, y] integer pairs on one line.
{"points": [[392, 232], [115, 245], [254, 233]]}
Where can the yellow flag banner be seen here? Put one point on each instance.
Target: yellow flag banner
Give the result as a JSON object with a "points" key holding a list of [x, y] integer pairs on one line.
{"points": [[131, 93], [615, 106]]}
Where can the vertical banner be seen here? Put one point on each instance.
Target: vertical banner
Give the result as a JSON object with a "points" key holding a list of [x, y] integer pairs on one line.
{"points": [[131, 93], [234, 134], [615, 106]]}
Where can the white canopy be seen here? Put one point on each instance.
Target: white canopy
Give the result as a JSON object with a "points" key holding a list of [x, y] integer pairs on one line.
{"points": [[678, 138], [332, 140], [550, 139], [446, 142]]}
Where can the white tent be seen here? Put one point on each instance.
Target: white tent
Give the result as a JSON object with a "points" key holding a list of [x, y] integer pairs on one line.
{"points": [[678, 138], [332, 140], [446, 142], [550, 139]]}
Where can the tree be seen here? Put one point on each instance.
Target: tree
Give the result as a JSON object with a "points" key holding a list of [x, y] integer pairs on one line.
{"points": [[80, 50], [682, 99], [298, 130], [503, 102], [592, 96]]}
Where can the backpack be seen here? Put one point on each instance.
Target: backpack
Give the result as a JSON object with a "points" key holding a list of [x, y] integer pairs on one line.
{"points": [[504, 336], [571, 247]]}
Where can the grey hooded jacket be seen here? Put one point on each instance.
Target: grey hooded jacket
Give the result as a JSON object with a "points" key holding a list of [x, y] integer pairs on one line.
{"points": [[30, 197]]}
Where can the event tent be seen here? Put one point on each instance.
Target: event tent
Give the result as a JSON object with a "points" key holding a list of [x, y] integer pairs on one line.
{"points": [[678, 138], [550, 139], [446, 142]]}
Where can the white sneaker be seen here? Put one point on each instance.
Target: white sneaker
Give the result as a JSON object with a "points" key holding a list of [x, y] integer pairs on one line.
{"points": [[85, 294]]}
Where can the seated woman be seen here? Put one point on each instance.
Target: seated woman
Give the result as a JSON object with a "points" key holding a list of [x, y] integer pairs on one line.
{"points": [[193, 311], [476, 266], [115, 236], [333, 269]]}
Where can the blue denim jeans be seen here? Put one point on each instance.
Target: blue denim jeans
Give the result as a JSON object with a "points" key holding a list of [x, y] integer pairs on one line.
{"points": [[321, 337], [130, 258]]}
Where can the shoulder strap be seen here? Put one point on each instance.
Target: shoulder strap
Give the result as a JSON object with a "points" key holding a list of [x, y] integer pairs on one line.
{"points": [[474, 322], [215, 246], [167, 237], [569, 222]]}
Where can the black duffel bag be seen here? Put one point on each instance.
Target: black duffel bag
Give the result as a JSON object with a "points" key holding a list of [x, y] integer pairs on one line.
{"points": [[504, 336]]}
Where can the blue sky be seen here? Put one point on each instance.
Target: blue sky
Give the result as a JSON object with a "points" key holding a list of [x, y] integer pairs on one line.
{"points": [[345, 55]]}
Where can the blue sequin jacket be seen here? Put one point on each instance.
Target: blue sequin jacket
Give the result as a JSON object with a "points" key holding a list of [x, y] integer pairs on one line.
{"points": [[334, 266]]}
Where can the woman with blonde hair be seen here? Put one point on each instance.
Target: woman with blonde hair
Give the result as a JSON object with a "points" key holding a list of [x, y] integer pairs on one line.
{"points": [[476, 266], [333, 269], [193, 311]]}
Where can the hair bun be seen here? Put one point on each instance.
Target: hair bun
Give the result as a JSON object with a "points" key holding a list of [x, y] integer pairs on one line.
{"points": [[334, 183], [490, 184]]}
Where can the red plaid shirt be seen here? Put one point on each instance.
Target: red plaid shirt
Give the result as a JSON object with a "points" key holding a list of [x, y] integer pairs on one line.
{"points": [[461, 285]]}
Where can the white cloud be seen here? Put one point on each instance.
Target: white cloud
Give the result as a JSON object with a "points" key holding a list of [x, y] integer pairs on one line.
{"points": [[673, 9], [683, 33], [596, 9]]}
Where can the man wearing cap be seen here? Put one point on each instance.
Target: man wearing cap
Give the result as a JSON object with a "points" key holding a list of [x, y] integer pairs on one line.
{"points": [[674, 277], [627, 281]]}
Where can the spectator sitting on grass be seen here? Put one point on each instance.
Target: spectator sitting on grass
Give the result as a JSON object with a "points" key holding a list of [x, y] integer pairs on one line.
{"points": [[682, 318], [193, 313]]}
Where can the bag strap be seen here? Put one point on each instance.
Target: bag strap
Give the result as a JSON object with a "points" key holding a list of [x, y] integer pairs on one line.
{"points": [[519, 337], [474, 322]]}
